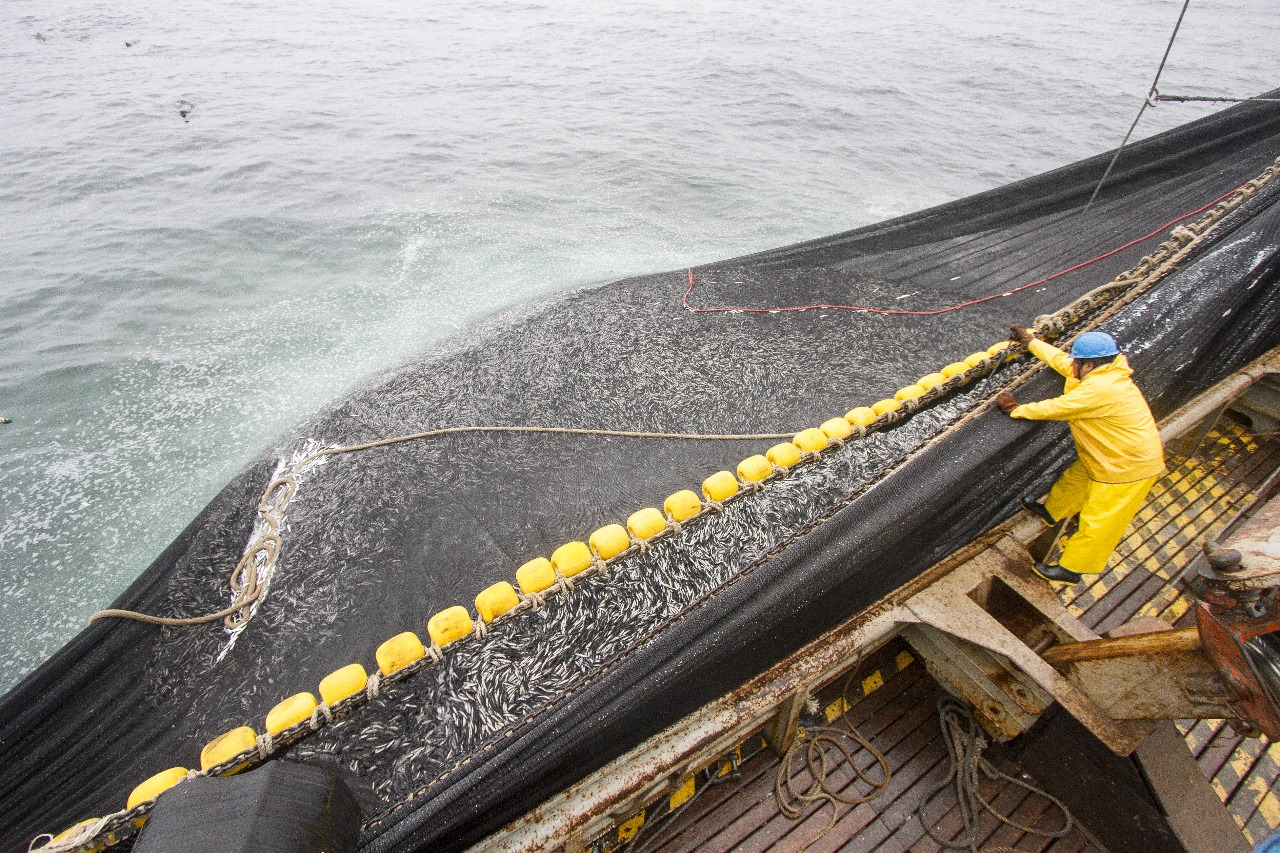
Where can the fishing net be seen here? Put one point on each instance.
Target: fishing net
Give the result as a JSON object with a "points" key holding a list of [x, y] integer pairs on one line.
{"points": [[374, 541]]}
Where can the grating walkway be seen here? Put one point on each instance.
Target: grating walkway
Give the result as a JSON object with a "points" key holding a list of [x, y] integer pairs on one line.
{"points": [[897, 711], [1191, 504]]}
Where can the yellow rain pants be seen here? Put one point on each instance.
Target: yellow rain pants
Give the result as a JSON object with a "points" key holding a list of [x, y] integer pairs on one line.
{"points": [[1105, 512]]}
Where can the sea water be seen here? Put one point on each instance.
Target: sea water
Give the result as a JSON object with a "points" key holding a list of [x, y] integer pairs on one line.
{"points": [[217, 217]]}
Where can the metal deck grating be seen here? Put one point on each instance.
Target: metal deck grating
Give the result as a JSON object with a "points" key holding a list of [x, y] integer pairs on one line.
{"points": [[1190, 504], [1193, 502]]}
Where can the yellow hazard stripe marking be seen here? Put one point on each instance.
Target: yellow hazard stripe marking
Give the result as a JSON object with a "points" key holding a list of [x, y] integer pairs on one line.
{"points": [[628, 829], [1268, 804], [872, 683], [682, 794]]}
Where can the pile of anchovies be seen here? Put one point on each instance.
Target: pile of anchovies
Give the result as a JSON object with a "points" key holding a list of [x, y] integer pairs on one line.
{"points": [[418, 730]]}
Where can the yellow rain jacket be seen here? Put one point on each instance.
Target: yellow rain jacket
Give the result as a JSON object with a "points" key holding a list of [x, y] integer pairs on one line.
{"points": [[1115, 434]]}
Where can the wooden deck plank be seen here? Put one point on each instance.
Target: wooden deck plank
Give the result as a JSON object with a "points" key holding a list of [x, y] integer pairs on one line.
{"points": [[951, 825], [1164, 555], [906, 735], [912, 783], [1201, 735], [751, 801], [688, 828], [878, 837], [906, 727], [1237, 769], [1142, 587], [764, 765], [913, 778], [1218, 752], [1076, 842], [702, 805], [1006, 798], [1172, 495], [1035, 811], [759, 773]]}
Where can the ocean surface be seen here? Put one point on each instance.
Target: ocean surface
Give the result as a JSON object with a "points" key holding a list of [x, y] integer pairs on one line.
{"points": [[216, 218]]}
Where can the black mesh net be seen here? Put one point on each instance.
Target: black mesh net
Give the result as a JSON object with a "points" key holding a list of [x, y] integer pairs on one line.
{"points": [[377, 541]]}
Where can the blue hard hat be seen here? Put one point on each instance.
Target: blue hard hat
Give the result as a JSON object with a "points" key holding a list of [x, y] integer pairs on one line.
{"points": [[1094, 345]]}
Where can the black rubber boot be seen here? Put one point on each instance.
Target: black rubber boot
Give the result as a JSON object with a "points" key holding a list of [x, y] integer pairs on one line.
{"points": [[1053, 572], [1037, 509]]}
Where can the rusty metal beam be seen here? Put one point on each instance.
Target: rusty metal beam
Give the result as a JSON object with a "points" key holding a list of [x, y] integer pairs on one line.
{"points": [[782, 729], [949, 605], [1163, 674], [1196, 815], [1217, 399], [1181, 640]]}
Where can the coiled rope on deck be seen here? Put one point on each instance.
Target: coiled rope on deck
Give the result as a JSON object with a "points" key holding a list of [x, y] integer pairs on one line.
{"points": [[965, 743], [248, 581], [816, 744]]}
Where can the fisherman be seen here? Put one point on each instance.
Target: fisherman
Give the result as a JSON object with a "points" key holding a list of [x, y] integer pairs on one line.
{"points": [[1119, 450]]}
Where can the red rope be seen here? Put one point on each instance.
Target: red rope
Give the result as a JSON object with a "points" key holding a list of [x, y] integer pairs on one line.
{"points": [[970, 303]]}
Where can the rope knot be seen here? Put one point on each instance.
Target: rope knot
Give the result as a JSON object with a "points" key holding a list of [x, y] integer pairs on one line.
{"points": [[373, 686], [321, 710], [83, 835]]}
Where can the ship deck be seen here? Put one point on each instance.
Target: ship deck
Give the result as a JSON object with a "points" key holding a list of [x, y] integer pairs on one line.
{"points": [[737, 808]]}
